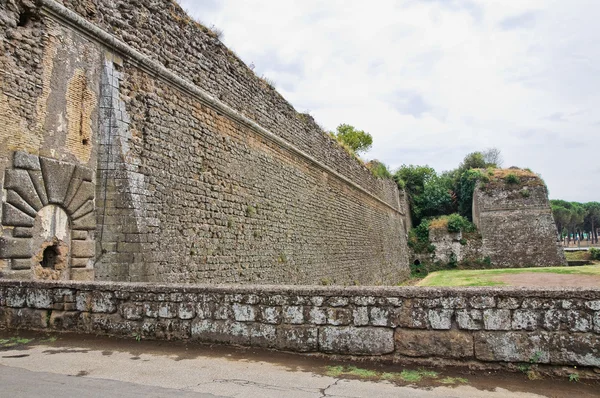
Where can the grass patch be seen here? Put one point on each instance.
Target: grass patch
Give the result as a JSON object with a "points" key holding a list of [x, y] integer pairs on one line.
{"points": [[453, 380], [14, 341], [485, 277], [337, 371], [407, 375]]}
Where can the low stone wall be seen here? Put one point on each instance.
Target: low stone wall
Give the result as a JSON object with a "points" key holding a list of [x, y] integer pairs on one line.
{"points": [[484, 326]]}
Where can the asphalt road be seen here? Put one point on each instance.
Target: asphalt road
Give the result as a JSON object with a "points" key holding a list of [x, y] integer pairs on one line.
{"points": [[75, 366]]}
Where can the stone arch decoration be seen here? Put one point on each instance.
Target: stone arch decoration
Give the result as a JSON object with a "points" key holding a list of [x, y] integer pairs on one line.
{"points": [[48, 219]]}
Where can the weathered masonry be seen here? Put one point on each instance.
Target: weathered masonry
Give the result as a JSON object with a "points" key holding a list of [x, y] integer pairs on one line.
{"points": [[516, 223], [481, 327], [136, 147]]}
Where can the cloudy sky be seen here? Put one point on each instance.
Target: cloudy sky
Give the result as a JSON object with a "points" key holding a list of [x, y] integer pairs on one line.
{"points": [[432, 80]]}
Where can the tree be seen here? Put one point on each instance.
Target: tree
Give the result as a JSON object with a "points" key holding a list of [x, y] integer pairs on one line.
{"points": [[473, 160], [357, 140], [493, 157], [592, 219], [413, 179]]}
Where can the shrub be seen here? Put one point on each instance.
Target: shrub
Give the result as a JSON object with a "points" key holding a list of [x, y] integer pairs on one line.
{"points": [[512, 178], [379, 169], [418, 239], [594, 253], [457, 223]]}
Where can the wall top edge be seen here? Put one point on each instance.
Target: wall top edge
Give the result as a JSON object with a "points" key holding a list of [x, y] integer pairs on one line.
{"points": [[377, 291]]}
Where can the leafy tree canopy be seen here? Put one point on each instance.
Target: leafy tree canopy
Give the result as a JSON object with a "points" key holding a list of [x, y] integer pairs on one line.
{"points": [[357, 140]]}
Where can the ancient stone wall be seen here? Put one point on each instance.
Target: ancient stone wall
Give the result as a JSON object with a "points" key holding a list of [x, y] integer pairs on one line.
{"points": [[202, 172], [482, 327], [515, 221]]}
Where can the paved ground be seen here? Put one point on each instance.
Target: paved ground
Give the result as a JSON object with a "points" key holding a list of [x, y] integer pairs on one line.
{"points": [[101, 367], [548, 280]]}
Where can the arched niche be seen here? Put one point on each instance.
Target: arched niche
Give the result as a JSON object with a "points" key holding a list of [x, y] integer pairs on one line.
{"points": [[51, 244]]}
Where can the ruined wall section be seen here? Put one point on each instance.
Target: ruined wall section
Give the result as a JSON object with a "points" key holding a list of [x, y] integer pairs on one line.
{"points": [[515, 221], [162, 31]]}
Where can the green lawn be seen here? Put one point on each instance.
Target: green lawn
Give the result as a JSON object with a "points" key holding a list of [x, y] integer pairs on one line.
{"points": [[485, 277]]}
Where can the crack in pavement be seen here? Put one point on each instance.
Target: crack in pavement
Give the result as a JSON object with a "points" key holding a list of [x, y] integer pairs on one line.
{"points": [[264, 386], [323, 391]]}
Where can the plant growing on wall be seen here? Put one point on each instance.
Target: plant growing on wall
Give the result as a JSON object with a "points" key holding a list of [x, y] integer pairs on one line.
{"points": [[357, 140]]}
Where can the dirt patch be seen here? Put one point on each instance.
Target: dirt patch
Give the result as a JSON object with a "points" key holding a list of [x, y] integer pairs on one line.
{"points": [[548, 280]]}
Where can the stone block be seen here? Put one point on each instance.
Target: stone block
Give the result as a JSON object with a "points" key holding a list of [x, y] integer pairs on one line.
{"points": [[221, 331], [352, 340], [275, 300], [37, 179], [87, 208], [453, 302], [186, 310], [19, 181], [338, 301], [79, 235], [57, 176], [512, 346], [82, 274], [338, 316], [293, 315], [151, 309], [581, 349], [579, 321], [81, 262], [363, 300], [537, 304], [262, 335], [83, 301], [270, 315], [360, 316], [26, 318], [15, 217], [172, 329], [23, 160], [297, 338], [428, 343], [103, 302], [21, 263], [380, 316], [499, 319], [167, 309], [83, 248], [132, 311], [509, 303], [525, 320], [15, 247], [440, 319], [317, 301], [597, 322], [16, 297], [317, 316], [244, 312], [593, 305], [19, 203], [39, 298], [411, 317], [65, 320], [481, 302], [86, 223], [222, 312], [469, 319], [205, 309], [22, 232]]}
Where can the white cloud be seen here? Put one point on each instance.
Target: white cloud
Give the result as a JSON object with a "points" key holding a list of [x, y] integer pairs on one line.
{"points": [[434, 79]]}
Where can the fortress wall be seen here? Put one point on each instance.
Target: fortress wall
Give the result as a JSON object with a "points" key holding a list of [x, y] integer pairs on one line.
{"points": [[485, 328], [516, 223], [188, 188], [162, 31]]}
